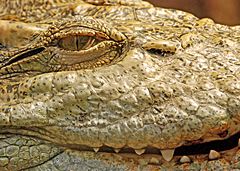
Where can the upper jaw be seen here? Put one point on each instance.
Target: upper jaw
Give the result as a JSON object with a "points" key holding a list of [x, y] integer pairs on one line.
{"points": [[136, 103]]}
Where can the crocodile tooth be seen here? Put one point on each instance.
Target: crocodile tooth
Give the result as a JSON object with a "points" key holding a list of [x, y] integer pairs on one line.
{"points": [[96, 149], [116, 150], [167, 154], [239, 142], [214, 155], [185, 159], [139, 151]]}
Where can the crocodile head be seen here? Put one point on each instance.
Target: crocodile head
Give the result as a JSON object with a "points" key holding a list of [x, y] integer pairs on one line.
{"points": [[105, 82]]}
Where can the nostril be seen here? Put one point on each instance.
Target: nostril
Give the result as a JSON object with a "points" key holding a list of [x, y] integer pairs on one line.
{"points": [[160, 52], [161, 47]]}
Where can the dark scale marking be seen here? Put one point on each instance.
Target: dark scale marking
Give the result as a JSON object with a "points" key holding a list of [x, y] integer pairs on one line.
{"points": [[223, 134], [19, 26], [10, 88], [3, 91], [13, 31]]}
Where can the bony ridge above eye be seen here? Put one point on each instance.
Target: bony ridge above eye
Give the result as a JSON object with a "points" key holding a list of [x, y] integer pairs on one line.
{"points": [[83, 25]]}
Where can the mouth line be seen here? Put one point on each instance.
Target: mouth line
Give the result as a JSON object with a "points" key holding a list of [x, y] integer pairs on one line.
{"points": [[195, 149], [192, 148]]}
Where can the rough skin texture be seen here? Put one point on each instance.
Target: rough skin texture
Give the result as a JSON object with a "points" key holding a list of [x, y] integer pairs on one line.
{"points": [[116, 75]]}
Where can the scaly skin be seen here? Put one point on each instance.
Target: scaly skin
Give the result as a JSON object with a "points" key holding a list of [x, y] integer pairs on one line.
{"points": [[116, 75]]}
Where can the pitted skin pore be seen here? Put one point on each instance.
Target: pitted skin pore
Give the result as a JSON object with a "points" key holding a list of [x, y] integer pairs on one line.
{"points": [[159, 78]]}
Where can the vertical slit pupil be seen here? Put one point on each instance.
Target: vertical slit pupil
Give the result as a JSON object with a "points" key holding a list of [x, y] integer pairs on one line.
{"points": [[78, 48], [77, 43]]}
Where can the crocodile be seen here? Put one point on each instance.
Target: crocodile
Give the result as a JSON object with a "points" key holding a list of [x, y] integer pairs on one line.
{"points": [[116, 85]]}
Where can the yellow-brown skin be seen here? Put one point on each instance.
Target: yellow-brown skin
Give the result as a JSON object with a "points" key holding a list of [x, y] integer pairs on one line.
{"points": [[149, 77]]}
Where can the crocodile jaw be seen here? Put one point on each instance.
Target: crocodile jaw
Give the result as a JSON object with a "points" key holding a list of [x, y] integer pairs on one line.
{"points": [[145, 100]]}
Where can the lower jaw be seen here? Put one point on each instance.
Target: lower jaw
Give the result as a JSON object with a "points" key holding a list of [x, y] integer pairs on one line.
{"points": [[228, 160], [226, 147]]}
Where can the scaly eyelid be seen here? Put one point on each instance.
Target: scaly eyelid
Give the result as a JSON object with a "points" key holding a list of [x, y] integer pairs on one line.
{"points": [[85, 24], [80, 32], [77, 39], [69, 57]]}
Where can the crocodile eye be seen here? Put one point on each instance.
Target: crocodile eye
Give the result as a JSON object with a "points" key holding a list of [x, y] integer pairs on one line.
{"points": [[72, 44], [76, 43], [83, 47]]}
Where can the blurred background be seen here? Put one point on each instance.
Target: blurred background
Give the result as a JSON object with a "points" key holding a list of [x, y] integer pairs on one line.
{"points": [[221, 11]]}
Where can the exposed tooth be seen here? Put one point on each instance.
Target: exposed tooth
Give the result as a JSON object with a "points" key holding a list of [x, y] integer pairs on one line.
{"points": [[116, 150], [239, 142], [214, 155], [185, 159], [96, 149], [154, 160], [167, 154], [140, 151]]}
